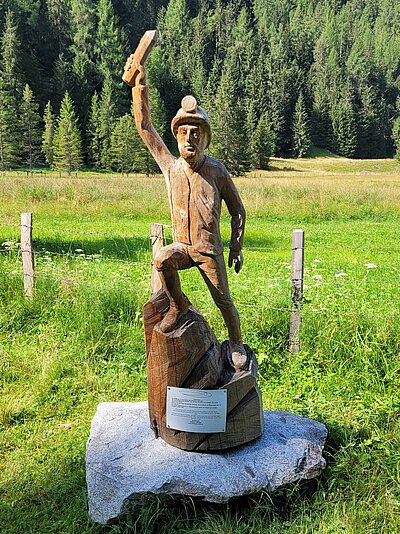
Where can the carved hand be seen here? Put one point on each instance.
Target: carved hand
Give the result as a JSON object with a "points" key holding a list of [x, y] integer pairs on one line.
{"points": [[134, 74], [141, 76], [237, 259]]}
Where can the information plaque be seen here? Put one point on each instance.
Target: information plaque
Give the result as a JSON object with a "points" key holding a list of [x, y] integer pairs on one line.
{"points": [[196, 410]]}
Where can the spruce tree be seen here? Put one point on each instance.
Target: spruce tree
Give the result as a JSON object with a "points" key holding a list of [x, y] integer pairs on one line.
{"points": [[93, 133], [301, 140], [9, 132], [59, 15], [262, 145], [396, 136], [62, 79], [344, 128], [107, 117], [82, 48], [109, 53], [67, 139], [282, 75], [48, 135], [108, 41], [10, 91], [11, 76], [396, 131], [31, 132], [124, 144], [229, 125], [320, 86]]}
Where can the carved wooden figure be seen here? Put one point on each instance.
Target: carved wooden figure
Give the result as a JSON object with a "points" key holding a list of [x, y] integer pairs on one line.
{"points": [[182, 350]]}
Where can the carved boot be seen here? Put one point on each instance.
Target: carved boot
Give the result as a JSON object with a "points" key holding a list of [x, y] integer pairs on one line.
{"points": [[171, 318], [239, 356]]}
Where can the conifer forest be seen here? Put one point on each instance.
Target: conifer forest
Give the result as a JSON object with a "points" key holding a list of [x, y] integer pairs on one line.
{"points": [[276, 76]]}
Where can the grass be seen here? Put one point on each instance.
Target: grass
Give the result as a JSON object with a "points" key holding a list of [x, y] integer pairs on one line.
{"points": [[79, 341]]}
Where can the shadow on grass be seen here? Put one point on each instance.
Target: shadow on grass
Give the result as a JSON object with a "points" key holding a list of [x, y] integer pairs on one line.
{"points": [[251, 513], [130, 248], [55, 500], [318, 152], [177, 514], [263, 242], [280, 169]]}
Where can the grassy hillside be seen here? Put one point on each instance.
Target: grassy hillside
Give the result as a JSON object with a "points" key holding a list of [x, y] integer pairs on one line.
{"points": [[79, 341]]}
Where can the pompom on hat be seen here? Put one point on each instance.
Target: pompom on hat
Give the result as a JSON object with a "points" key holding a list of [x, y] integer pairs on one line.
{"points": [[191, 113]]}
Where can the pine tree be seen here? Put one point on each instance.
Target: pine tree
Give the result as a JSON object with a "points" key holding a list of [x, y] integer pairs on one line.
{"points": [[59, 15], [262, 145], [31, 133], [93, 133], [62, 79], [396, 136], [11, 75], [124, 144], [109, 53], [371, 143], [9, 132], [282, 78], [107, 117], [324, 78], [82, 48], [344, 127], [301, 140], [229, 126], [396, 131], [48, 135], [67, 139], [10, 91], [108, 41]]}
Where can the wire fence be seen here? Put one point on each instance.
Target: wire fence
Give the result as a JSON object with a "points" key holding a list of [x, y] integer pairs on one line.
{"points": [[301, 308]]}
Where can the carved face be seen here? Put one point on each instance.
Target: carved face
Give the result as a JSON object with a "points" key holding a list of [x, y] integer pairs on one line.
{"points": [[192, 140]]}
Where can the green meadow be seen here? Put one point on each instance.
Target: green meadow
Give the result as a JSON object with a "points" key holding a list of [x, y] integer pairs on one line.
{"points": [[79, 340]]}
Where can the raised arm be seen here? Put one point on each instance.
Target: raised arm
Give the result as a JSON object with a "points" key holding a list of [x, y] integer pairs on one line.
{"points": [[141, 110]]}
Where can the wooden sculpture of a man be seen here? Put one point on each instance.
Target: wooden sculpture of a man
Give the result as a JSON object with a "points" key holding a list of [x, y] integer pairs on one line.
{"points": [[196, 185]]}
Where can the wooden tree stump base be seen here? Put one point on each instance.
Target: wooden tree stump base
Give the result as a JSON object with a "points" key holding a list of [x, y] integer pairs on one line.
{"points": [[191, 357]]}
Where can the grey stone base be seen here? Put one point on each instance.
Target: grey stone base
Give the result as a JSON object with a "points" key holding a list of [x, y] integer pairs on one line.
{"points": [[124, 460]]}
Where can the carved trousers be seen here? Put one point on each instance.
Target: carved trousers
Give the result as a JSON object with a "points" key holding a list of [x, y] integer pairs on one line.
{"points": [[176, 257]]}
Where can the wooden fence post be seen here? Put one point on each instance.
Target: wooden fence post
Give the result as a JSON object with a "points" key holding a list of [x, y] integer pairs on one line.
{"points": [[297, 289], [157, 242], [28, 263]]}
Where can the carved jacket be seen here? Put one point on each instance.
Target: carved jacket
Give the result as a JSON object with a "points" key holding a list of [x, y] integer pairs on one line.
{"points": [[195, 196]]}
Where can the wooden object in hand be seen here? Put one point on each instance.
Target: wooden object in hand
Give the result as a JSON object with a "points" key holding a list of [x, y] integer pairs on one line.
{"points": [[142, 52], [191, 357]]}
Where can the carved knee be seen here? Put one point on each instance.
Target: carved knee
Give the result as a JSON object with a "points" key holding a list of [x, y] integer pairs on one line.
{"points": [[158, 262], [161, 261]]}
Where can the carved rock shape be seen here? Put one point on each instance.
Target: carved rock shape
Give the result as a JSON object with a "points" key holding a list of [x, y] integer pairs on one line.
{"points": [[191, 357]]}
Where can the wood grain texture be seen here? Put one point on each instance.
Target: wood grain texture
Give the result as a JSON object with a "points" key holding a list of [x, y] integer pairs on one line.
{"points": [[191, 357], [28, 263], [297, 289], [157, 243]]}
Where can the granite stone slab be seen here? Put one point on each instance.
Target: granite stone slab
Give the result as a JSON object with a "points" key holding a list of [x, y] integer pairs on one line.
{"points": [[124, 460]]}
